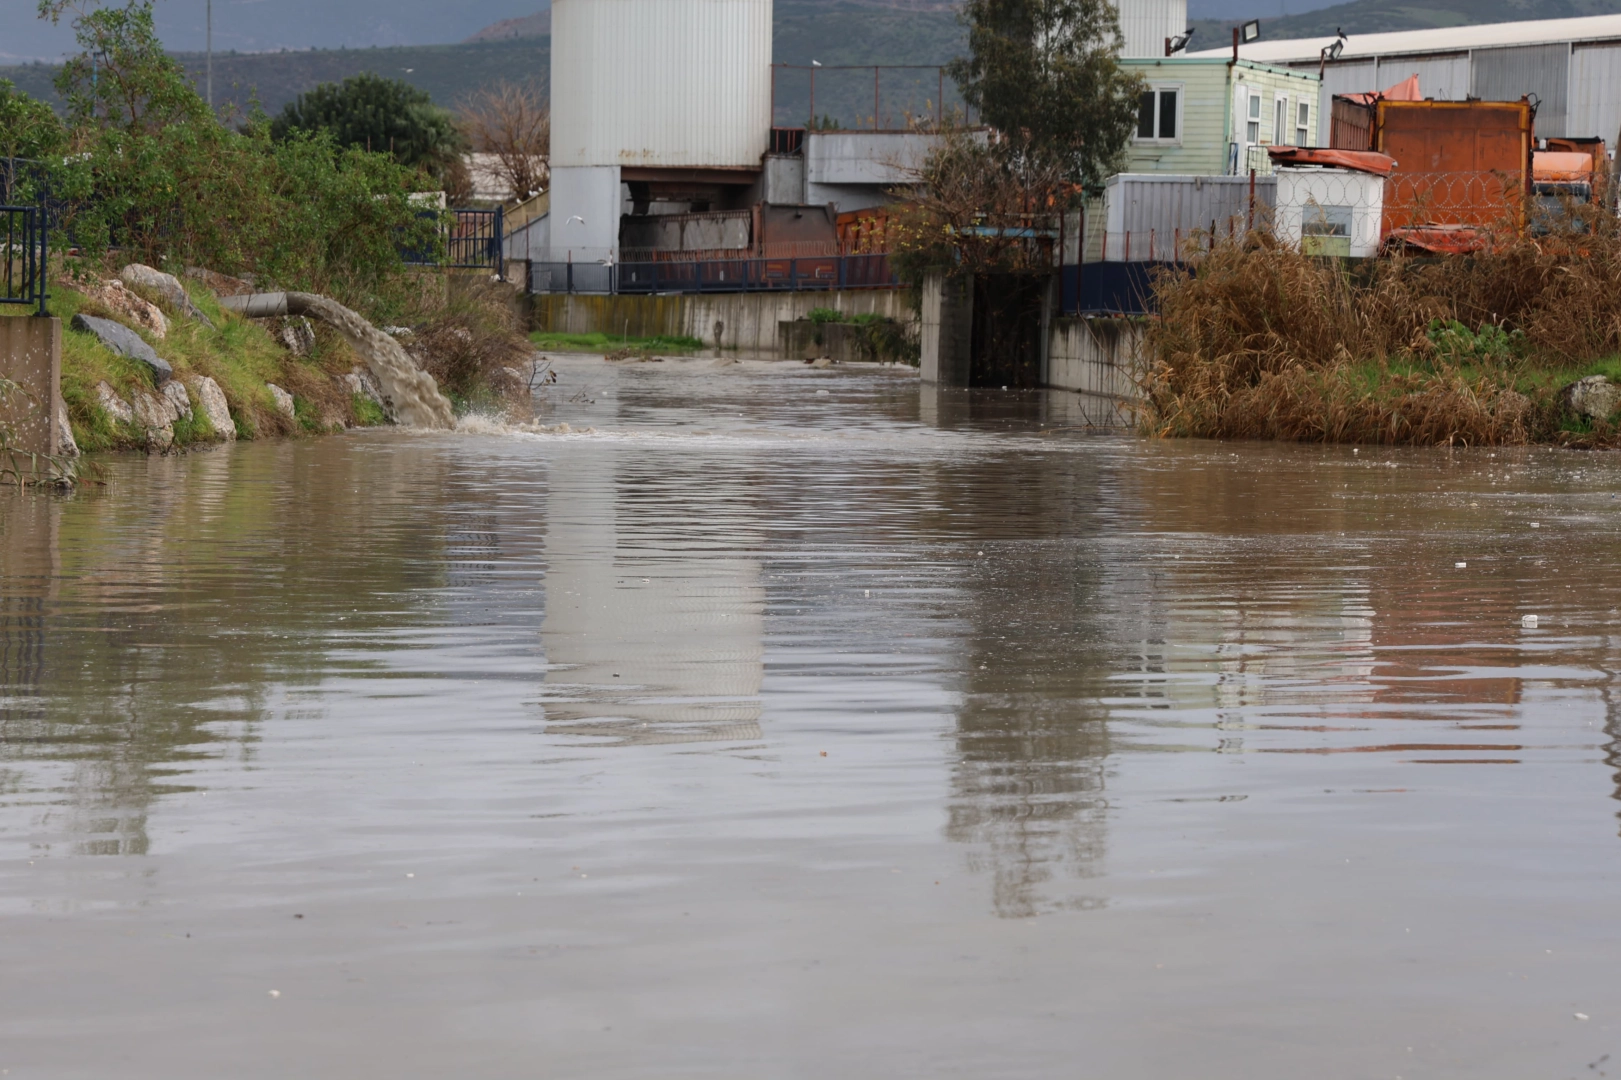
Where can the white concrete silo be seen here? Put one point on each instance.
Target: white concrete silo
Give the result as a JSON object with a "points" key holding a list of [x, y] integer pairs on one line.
{"points": [[1145, 24], [648, 85]]}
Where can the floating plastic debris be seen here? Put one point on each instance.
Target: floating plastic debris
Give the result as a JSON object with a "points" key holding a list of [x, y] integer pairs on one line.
{"points": [[1461, 566], [1528, 621]]}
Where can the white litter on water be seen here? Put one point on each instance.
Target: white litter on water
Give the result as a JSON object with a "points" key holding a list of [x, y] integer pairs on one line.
{"points": [[1536, 524], [1461, 566], [1581, 1016], [1528, 621]]}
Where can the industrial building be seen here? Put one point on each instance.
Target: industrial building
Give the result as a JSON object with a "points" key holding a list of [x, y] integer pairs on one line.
{"points": [[1571, 68], [664, 150]]}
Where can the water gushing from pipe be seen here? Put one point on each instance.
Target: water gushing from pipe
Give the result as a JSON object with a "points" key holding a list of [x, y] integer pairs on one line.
{"points": [[410, 396]]}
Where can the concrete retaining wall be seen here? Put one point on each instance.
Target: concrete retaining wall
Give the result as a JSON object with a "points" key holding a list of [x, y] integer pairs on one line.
{"points": [[948, 322], [728, 320], [1100, 359], [31, 357]]}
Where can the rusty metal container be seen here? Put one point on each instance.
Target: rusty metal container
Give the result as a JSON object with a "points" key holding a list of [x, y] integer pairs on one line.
{"points": [[1458, 163]]}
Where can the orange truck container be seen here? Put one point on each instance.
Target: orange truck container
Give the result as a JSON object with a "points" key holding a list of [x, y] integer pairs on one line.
{"points": [[1459, 164]]}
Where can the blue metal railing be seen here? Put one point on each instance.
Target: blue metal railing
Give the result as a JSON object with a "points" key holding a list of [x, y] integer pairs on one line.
{"points": [[473, 241], [818, 272], [24, 259], [1109, 288]]}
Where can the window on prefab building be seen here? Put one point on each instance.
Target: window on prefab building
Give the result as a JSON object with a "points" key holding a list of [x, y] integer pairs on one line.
{"points": [[1280, 121], [1156, 114], [1252, 134], [1303, 124]]}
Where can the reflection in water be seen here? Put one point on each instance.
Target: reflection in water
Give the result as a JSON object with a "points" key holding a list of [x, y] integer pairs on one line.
{"points": [[653, 628], [1032, 737]]}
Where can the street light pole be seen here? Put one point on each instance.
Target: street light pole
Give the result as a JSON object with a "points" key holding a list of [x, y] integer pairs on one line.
{"points": [[210, 33]]}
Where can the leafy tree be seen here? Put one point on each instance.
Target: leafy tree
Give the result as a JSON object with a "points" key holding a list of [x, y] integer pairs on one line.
{"points": [[155, 173], [29, 128], [1044, 73], [381, 115], [124, 79]]}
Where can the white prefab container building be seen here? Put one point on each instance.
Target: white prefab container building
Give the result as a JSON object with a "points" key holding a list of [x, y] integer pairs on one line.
{"points": [[1154, 215], [660, 83], [1145, 24], [1330, 211]]}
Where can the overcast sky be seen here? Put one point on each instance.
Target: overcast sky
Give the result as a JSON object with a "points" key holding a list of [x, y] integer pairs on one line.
{"points": [[259, 25]]}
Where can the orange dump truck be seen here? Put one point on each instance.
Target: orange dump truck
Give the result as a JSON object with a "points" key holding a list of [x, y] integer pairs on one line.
{"points": [[1460, 166]]}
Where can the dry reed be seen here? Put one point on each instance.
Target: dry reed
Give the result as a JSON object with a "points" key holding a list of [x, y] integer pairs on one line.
{"points": [[1259, 341]]}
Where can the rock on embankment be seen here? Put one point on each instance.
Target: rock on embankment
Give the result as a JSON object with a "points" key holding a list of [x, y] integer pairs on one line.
{"points": [[156, 414], [166, 286], [409, 394]]}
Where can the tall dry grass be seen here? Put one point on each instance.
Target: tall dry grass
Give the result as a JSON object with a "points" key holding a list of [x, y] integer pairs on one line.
{"points": [[1259, 341]]}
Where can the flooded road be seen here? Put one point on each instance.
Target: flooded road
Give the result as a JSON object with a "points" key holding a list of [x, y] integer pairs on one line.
{"points": [[762, 731]]}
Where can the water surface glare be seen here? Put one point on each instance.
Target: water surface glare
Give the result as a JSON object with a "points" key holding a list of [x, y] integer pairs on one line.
{"points": [[745, 730]]}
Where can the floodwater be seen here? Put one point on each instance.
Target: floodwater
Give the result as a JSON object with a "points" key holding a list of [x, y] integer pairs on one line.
{"points": [[768, 732]]}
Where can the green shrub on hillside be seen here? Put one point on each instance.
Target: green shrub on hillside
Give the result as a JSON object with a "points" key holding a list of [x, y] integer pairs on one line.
{"points": [[153, 172]]}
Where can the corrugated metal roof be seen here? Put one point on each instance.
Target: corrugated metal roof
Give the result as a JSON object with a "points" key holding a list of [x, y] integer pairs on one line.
{"points": [[1448, 39]]}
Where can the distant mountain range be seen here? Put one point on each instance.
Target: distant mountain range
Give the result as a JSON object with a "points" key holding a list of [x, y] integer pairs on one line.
{"points": [[529, 26], [832, 32]]}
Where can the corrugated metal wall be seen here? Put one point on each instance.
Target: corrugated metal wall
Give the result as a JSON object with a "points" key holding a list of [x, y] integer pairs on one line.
{"points": [[1352, 78], [1579, 86], [1509, 74], [660, 82], [1595, 93], [1145, 24], [1146, 216], [1444, 78]]}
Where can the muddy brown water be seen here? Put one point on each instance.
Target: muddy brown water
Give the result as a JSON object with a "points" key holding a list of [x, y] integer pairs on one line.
{"points": [[766, 732]]}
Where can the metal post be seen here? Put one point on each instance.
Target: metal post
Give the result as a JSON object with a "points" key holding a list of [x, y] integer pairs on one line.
{"points": [[793, 274], [501, 242], [211, 54], [875, 70], [940, 99], [44, 258]]}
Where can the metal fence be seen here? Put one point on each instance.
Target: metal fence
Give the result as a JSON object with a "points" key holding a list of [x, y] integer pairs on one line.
{"points": [[473, 240], [885, 97], [25, 261], [717, 275]]}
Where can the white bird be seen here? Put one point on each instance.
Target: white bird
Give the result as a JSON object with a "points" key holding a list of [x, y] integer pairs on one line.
{"points": [[816, 63], [575, 218]]}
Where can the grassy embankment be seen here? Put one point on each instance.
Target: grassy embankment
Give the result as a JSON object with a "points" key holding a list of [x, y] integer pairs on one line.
{"points": [[1264, 343], [240, 355], [604, 343]]}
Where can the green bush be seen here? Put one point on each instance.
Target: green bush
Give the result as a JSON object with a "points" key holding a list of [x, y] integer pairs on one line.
{"points": [[1456, 343]]}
